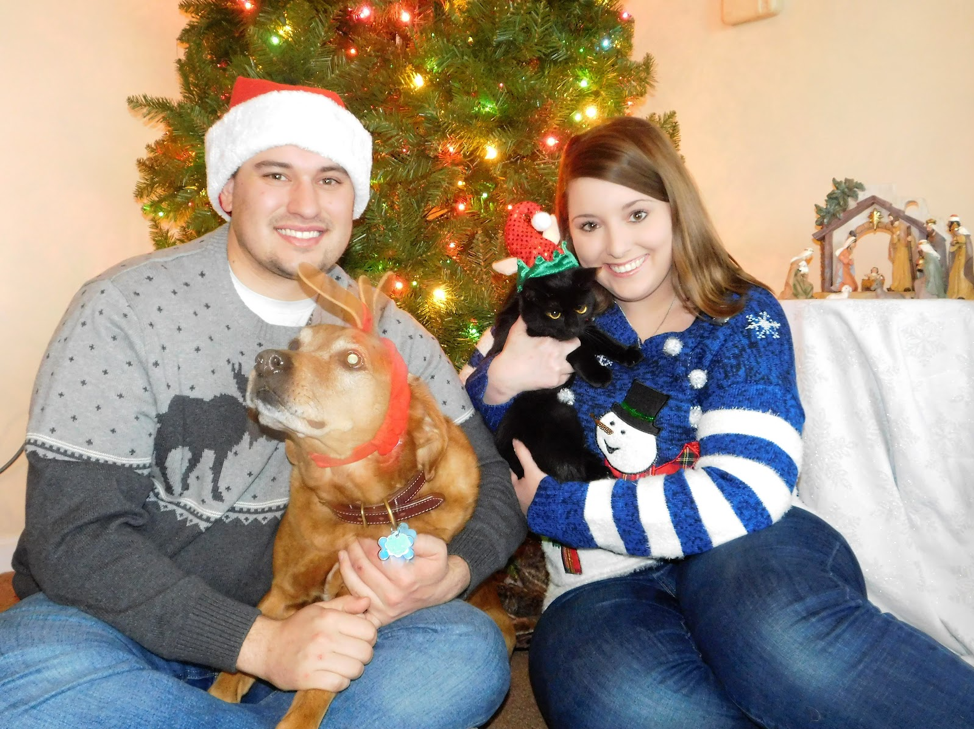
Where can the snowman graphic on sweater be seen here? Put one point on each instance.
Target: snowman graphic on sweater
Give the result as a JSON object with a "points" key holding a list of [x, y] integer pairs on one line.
{"points": [[627, 433]]}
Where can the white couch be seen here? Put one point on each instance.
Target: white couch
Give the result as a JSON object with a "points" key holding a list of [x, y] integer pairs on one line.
{"points": [[888, 391]]}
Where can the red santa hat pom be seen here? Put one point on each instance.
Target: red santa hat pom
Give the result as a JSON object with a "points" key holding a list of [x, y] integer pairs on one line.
{"points": [[523, 233], [264, 114]]}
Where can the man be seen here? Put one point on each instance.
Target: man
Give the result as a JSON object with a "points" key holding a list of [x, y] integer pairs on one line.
{"points": [[153, 499]]}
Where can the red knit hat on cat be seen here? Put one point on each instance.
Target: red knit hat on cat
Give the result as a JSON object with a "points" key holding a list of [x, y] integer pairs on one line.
{"points": [[264, 114]]}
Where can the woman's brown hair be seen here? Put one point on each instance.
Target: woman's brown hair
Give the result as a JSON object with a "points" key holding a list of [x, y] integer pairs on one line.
{"points": [[636, 154]]}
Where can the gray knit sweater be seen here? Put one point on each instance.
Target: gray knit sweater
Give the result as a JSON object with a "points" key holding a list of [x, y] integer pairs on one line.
{"points": [[152, 497]]}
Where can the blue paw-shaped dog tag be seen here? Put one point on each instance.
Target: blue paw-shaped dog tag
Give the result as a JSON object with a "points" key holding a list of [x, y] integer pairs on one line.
{"points": [[398, 544]]}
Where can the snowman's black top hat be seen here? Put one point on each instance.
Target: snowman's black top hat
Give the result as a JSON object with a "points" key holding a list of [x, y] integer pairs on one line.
{"points": [[640, 407]]}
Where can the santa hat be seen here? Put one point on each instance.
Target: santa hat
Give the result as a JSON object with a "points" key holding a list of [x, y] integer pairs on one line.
{"points": [[531, 237], [264, 114]]}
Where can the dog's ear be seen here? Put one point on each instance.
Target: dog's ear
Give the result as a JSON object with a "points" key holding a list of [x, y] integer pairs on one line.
{"points": [[343, 302], [431, 435], [374, 298]]}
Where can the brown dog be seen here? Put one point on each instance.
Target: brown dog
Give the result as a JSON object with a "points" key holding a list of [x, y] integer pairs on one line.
{"points": [[369, 448]]}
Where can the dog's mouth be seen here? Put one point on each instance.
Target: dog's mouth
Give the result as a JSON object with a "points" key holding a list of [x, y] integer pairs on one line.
{"points": [[274, 412]]}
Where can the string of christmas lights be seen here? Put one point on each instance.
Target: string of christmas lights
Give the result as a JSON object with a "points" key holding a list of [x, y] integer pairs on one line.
{"points": [[469, 103]]}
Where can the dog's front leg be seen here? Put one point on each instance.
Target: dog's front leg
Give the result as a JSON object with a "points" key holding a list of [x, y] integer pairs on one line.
{"points": [[231, 687], [307, 710]]}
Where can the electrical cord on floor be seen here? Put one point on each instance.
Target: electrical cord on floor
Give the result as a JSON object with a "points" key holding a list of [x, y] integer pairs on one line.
{"points": [[9, 463]]}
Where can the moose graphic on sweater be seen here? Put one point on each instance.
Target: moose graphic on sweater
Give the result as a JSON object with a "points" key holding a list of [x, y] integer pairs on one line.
{"points": [[218, 424]]}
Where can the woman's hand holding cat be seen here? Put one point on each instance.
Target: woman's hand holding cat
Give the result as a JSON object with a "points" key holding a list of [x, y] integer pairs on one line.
{"points": [[527, 363], [527, 486]]}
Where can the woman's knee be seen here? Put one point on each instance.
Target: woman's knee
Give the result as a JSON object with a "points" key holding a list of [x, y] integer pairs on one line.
{"points": [[616, 653]]}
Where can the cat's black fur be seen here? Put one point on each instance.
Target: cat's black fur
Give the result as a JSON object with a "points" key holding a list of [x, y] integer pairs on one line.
{"points": [[561, 306]]}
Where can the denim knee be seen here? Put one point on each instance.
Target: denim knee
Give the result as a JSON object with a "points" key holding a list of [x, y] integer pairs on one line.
{"points": [[445, 666], [616, 653]]}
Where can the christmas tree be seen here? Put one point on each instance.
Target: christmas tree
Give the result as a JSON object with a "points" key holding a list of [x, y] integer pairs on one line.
{"points": [[469, 103]]}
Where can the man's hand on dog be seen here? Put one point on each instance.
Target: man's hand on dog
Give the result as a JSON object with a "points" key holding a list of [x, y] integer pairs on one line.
{"points": [[397, 588], [322, 646]]}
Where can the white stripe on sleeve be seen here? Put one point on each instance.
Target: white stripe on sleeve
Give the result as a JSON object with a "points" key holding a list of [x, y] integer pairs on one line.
{"points": [[763, 480], [655, 518], [753, 423], [715, 511], [598, 516]]}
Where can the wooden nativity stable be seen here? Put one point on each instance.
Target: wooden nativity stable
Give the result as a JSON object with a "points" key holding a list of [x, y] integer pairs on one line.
{"points": [[879, 219]]}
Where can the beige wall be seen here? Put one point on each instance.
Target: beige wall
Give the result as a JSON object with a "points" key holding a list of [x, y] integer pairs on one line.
{"points": [[68, 146], [879, 90]]}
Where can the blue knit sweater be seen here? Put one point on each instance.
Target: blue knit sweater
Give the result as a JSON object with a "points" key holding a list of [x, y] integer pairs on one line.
{"points": [[727, 390]]}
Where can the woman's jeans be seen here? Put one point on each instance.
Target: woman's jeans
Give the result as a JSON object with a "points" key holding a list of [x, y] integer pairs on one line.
{"points": [[769, 630], [444, 666]]}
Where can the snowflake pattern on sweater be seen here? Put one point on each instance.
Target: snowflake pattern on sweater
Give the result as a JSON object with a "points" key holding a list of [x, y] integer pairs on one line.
{"points": [[148, 370], [730, 386]]}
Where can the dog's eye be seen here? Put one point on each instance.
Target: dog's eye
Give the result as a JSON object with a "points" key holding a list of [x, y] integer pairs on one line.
{"points": [[581, 309], [353, 359], [553, 314]]}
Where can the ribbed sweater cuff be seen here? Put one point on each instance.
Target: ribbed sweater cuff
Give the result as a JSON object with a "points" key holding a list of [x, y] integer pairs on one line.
{"points": [[216, 630]]}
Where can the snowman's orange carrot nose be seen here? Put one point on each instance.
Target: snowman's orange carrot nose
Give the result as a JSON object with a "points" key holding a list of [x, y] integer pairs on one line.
{"points": [[600, 425]]}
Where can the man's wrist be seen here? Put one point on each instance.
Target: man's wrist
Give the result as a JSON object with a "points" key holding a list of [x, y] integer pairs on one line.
{"points": [[254, 649], [457, 577]]}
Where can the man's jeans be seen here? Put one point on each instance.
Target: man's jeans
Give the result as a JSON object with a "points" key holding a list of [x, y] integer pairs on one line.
{"points": [[772, 630], [60, 668]]}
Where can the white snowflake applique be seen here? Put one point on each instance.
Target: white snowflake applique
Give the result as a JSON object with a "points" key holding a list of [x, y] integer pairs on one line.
{"points": [[566, 396], [604, 361], [763, 325]]}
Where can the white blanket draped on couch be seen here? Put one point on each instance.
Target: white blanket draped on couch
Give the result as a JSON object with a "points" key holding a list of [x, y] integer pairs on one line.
{"points": [[888, 391]]}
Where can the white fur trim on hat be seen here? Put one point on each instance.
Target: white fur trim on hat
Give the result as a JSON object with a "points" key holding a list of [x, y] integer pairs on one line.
{"points": [[278, 118]]}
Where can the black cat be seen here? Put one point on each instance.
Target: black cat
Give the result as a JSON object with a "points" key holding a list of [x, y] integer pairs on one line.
{"points": [[559, 305]]}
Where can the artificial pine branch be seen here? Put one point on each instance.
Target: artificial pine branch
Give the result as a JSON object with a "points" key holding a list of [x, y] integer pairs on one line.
{"points": [[495, 74]]}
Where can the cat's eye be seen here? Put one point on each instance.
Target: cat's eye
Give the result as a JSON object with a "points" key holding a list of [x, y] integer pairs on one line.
{"points": [[553, 314], [581, 309]]}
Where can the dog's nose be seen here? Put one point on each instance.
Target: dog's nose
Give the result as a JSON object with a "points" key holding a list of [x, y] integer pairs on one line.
{"points": [[271, 362]]}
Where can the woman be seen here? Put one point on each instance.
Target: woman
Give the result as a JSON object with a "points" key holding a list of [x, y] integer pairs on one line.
{"points": [[695, 597]]}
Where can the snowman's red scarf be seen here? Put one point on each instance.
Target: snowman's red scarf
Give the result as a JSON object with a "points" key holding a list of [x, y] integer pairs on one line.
{"points": [[389, 436], [688, 456]]}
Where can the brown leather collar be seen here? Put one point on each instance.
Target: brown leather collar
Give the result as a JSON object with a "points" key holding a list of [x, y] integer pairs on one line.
{"points": [[398, 507]]}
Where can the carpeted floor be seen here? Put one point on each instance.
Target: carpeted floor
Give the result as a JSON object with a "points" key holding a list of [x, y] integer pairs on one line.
{"points": [[518, 710]]}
